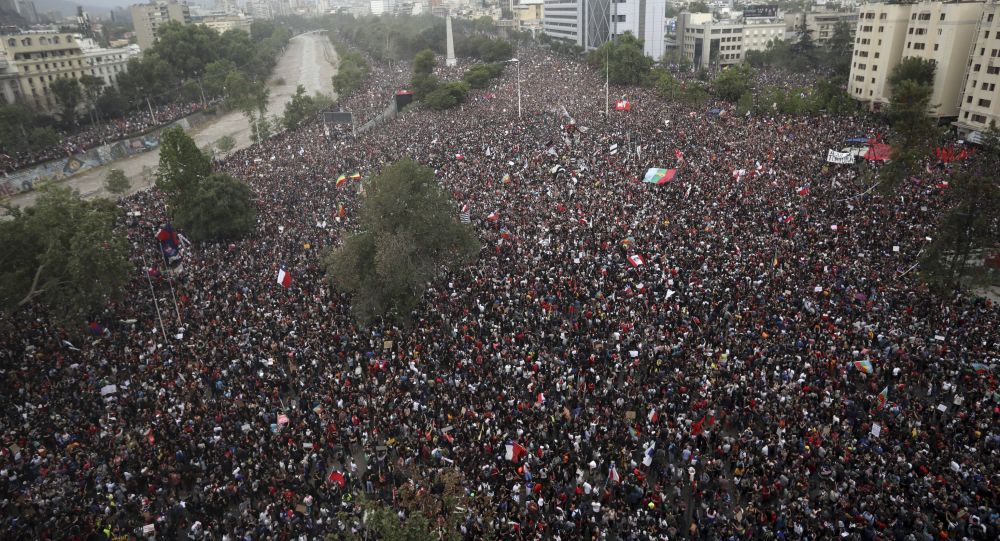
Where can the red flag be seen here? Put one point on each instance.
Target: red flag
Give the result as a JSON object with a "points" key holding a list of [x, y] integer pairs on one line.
{"points": [[337, 477], [149, 436], [696, 427]]}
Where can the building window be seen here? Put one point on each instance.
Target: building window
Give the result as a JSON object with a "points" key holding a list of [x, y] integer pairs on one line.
{"points": [[984, 103], [989, 18], [935, 46], [979, 118], [976, 67], [968, 99], [919, 46]]}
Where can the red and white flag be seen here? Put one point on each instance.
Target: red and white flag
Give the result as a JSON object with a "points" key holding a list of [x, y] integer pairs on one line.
{"points": [[636, 260], [284, 277], [515, 451], [540, 400], [493, 216], [653, 416]]}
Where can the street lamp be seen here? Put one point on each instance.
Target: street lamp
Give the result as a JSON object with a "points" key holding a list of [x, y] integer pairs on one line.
{"points": [[518, 62]]}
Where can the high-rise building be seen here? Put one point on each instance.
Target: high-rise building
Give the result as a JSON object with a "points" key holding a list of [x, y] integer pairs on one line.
{"points": [[39, 58], [147, 19], [938, 31], [591, 23], [981, 97]]}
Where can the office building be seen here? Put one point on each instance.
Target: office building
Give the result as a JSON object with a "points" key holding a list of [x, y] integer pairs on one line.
{"points": [[591, 23], [39, 58]]}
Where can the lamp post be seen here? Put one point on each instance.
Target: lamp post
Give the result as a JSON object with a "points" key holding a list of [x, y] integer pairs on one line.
{"points": [[518, 62]]}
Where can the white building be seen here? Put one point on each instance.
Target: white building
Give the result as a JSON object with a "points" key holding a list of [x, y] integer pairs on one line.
{"points": [[707, 43], [938, 31], [981, 98], [108, 64], [591, 23]]}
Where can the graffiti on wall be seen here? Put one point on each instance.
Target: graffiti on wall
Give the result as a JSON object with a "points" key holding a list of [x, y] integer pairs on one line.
{"points": [[30, 178]]}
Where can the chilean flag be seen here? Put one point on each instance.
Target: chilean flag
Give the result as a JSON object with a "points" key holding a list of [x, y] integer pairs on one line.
{"points": [[636, 260], [284, 277], [540, 400], [613, 474], [493, 216], [653, 416], [622, 105], [515, 451]]}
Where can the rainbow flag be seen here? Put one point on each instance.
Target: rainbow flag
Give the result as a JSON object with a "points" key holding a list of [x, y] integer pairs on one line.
{"points": [[356, 176], [341, 180]]}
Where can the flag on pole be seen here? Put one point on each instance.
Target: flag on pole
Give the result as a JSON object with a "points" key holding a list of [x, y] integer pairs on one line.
{"points": [[647, 455], [883, 397], [341, 180], [613, 474], [636, 260], [514, 451], [864, 366], [284, 278], [653, 415]]}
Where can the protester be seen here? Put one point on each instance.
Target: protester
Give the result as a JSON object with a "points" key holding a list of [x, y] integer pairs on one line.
{"points": [[717, 386]]}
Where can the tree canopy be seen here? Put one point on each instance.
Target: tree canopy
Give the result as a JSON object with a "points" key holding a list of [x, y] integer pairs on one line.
{"points": [[915, 133], [624, 59], [409, 232], [219, 208], [182, 164], [62, 253]]}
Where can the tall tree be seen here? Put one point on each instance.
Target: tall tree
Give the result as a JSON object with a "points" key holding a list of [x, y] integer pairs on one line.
{"points": [[969, 233], [915, 131], [424, 62], [218, 208], [839, 49], [62, 253], [182, 164], [116, 182], [409, 233], [68, 94], [919, 70], [733, 82], [624, 59]]}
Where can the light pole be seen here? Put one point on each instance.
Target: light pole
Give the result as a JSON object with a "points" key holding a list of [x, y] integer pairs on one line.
{"points": [[518, 62]]}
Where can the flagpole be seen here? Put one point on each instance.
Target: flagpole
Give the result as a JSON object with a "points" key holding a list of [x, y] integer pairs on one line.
{"points": [[607, 82], [170, 283], [153, 293]]}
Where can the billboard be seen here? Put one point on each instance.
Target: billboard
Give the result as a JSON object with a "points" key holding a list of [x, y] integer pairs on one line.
{"points": [[338, 117], [761, 10]]}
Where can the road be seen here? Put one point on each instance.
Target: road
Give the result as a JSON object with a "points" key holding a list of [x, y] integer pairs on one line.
{"points": [[309, 60]]}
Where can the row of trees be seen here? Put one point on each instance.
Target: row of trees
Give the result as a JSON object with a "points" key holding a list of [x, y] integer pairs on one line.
{"points": [[804, 55], [440, 96], [189, 62], [352, 70]]}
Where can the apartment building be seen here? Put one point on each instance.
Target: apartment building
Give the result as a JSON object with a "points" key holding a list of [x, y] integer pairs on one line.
{"points": [[226, 23], [148, 18], [981, 97], [108, 64], [758, 34], [888, 33], [820, 24]]}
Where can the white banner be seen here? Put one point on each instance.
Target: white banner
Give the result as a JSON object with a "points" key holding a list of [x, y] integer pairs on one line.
{"points": [[833, 156]]}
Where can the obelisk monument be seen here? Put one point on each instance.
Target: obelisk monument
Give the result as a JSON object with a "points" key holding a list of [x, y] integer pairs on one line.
{"points": [[450, 60]]}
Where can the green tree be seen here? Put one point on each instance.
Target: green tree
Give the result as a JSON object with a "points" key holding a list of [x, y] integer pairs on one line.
{"points": [[187, 47], [68, 94], [699, 7], [919, 70], [915, 131], [215, 76], [23, 131], [624, 60], [116, 182], [182, 165], [219, 208], [839, 49], [225, 144], [424, 85], [409, 233], [62, 253], [448, 96], [969, 232], [299, 109], [424, 62], [479, 76], [111, 103], [733, 82]]}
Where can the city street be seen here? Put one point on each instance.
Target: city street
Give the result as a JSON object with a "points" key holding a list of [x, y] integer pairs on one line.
{"points": [[309, 60]]}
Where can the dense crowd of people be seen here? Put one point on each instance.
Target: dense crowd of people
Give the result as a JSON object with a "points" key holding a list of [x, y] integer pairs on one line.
{"points": [[94, 135], [743, 352]]}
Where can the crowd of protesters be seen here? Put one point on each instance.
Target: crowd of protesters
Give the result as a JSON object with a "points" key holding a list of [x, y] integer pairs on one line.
{"points": [[94, 135], [743, 352]]}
